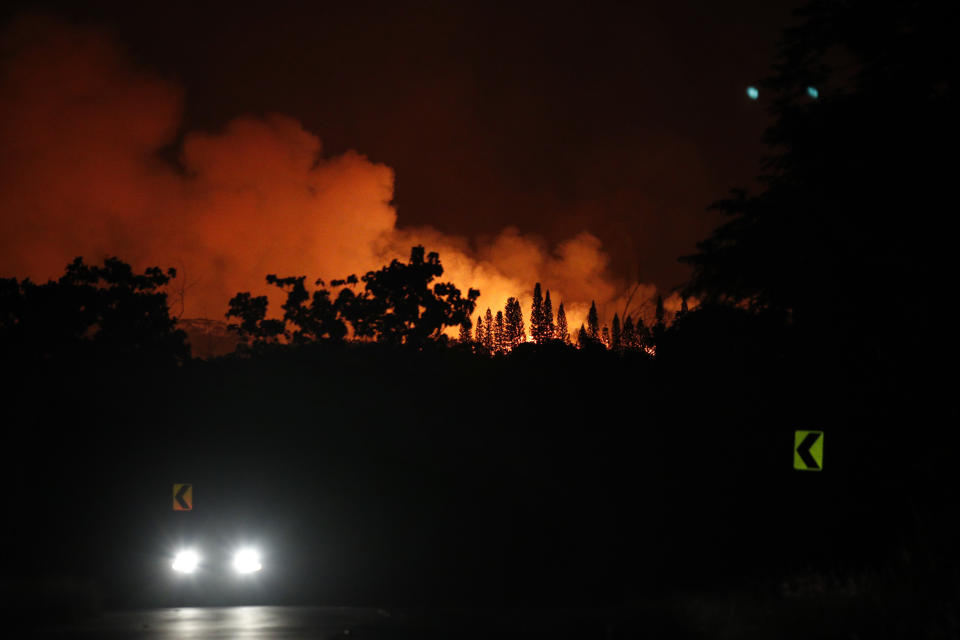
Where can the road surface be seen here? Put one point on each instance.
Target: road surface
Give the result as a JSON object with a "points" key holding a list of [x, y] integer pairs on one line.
{"points": [[325, 623]]}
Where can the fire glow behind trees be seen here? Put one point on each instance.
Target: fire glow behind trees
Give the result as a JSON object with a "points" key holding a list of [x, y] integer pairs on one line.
{"points": [[103, 158]]}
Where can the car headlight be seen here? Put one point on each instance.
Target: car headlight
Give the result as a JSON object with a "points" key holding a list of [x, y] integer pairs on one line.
{"points": [[186, 561], [246, 561]]}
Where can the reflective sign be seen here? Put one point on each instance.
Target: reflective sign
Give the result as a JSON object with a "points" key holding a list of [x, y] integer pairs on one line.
{"points": [[808, 450], [183, 497]]}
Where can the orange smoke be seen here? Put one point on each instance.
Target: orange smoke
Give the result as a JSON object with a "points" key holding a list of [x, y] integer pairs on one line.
{"points": [[81, 131]]}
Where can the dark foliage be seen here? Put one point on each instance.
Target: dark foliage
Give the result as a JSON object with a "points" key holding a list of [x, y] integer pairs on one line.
{"points": [[562, 332], [538, 320], [513, 317], [593, 322], [464, 336], [106, 313], [850, 234], [399, 304]]}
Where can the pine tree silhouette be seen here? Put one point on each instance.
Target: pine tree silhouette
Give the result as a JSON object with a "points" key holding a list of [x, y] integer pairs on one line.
{"points": [[561, 332], [583, 339], [513, 323], [536, 316], [593, 322], [465, 334], [480, 337], [548, 328], [489, 334]]}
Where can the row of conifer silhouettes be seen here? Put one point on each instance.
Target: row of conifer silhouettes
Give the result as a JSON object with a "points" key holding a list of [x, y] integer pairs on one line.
{"points": [[505, 330]]}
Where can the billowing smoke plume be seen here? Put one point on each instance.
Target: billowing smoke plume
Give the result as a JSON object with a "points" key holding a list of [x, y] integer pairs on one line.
{"points": [[84, 136]]}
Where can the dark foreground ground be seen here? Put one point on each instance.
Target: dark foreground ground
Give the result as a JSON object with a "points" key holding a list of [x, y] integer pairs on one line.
{"points": [[550, 480], [833, 615], [727, 616], [253, 622], [229, 622]]}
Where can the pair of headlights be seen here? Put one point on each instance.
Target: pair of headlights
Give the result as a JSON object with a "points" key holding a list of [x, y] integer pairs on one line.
{"points": [[244, 561]]}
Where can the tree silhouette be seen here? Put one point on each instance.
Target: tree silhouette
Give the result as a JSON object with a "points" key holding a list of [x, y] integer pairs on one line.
{"points": [[464, 336], [593, 322], [499, 334], [616, 337], [480, 337], [562, 333], [850, 207], [548, 327], [513, 323], [660, 314], [489, 332], [537, 318], [254, 327], [399, 305], [103, 312], [583, 338], [300, 324], [319, 321]]}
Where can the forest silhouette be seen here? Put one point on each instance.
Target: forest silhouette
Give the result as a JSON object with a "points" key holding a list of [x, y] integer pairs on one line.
{"points": [[528, 462]]}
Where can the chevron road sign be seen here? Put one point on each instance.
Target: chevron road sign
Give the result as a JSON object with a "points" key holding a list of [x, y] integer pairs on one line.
{"points": [[808, 451], [183, 497]]}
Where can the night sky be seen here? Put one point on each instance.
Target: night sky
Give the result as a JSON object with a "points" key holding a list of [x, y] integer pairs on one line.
{"points": [[622, 120]]}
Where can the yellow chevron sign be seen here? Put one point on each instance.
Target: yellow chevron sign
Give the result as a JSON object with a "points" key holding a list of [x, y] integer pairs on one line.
{"points": [[808, 451], [183, 497]]}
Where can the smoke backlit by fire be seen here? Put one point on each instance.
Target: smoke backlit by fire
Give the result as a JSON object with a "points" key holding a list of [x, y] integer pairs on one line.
{"points": [[81, 135]]}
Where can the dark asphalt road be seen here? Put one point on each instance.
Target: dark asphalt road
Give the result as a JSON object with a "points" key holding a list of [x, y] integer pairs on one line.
{"points": [[233, 623], [343, 623]]}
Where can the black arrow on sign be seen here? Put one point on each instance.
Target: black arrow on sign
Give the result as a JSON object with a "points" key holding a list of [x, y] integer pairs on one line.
{"points": [[804, 450], [180, 496]]}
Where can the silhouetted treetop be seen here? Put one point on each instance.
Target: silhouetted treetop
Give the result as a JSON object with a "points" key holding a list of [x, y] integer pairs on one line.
{"points": [[254, 326], [490, 333], [464, 336], [515, 332], [104, 312], [849, 226], [480, 335], [593, 321], [538, 324], [548, 327], [399, 304], [562, 333]]}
